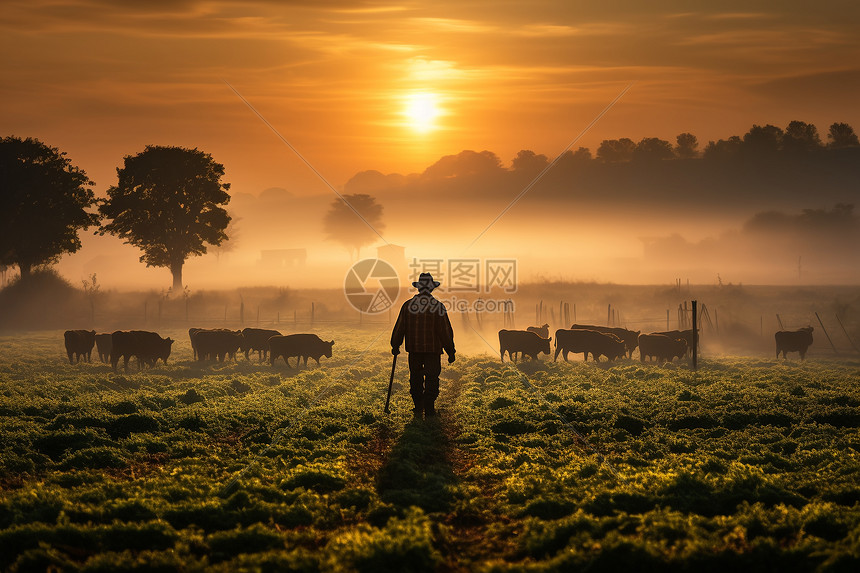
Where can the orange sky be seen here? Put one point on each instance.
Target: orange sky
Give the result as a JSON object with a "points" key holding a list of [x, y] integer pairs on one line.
{"points": [[101, 79]]}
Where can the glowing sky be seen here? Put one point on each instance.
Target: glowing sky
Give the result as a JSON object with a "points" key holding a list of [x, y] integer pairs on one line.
{"points": [[100, 79]]}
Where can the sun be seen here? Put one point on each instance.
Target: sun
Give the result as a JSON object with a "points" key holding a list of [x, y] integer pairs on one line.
{"points": [[421, 110]]}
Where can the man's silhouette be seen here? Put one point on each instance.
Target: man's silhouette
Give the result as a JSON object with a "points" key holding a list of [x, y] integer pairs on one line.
{"points": [[424, 322]]}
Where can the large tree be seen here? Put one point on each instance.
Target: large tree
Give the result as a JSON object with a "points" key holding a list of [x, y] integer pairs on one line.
{"points": [[43, 204], [762, 141], [800, 137], [653, 149], [167, 203], [687, 146], [616, 150], [842, 135], [354, 221]]}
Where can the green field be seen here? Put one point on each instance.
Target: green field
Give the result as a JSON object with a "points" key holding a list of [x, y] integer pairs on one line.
{"points": [[748, 463]]}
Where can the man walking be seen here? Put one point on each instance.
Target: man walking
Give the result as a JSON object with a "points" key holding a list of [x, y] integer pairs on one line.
{"points": [[423, 322]]}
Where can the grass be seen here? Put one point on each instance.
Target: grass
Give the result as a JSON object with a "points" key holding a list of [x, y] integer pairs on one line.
{"points": [[746, 463]]}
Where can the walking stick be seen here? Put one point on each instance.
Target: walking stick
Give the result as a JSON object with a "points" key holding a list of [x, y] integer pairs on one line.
{"points": [[390, 384]]}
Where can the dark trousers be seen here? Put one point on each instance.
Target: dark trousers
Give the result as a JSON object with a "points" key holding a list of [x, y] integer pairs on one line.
{"points": [[424, 370]]}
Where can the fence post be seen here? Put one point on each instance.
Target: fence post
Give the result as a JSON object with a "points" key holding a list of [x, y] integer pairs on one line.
{"points": [[695, 339], [779, 320], [833, 346]]}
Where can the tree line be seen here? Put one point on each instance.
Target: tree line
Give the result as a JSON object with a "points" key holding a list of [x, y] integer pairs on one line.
{"points": [[797, 138], [168, 202]]}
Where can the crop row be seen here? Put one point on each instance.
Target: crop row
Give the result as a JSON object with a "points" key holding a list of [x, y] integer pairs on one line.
{"points": [[539, 466]]}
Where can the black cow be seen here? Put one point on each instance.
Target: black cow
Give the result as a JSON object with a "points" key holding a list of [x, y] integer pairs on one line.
{"points": [[793, 341], [686, 335], [192, 333], [147, 347], [216, 344], [522, 341], [257, 339], [630, 337], [661, 347], [302, 346], [588, 341], [542, 331], [79, 343], [104, 344]]}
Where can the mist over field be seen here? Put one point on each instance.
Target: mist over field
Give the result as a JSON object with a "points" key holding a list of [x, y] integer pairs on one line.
{"points": [[647, 222]]}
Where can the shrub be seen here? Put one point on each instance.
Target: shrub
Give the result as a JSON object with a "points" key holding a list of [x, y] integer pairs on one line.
{"points": [[513, 427], [549, 508], [403, 545], [633, 425], [500, 402], [124, 426], [58, 443], [94, 458], [257, 538], [123, 407], [191, 397], [316, 480]]}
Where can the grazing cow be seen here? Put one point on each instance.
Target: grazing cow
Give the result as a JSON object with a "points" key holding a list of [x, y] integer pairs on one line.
{"points": [[522, 341], [103, 344], [585, 341], [542, 331], [79, 343], [661, 347], [686, 335], [192, 332], [147, 347], [257, 339], [302, 346], [630, 337], [217, 344], [793, 341]]}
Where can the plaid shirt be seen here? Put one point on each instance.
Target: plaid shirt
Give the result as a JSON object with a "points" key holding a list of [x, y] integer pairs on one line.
{"points": [[424, 322]]}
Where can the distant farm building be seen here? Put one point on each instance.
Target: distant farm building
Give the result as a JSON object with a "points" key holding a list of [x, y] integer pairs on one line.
{"points": [[283, 258]]}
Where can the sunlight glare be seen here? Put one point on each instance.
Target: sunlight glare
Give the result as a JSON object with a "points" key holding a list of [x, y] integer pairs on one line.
{"points": [[421, 110]]}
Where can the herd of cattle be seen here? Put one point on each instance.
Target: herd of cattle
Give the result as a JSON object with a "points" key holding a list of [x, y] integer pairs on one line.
{"points": [[206, 344], [222, 344], [614, 343]]}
